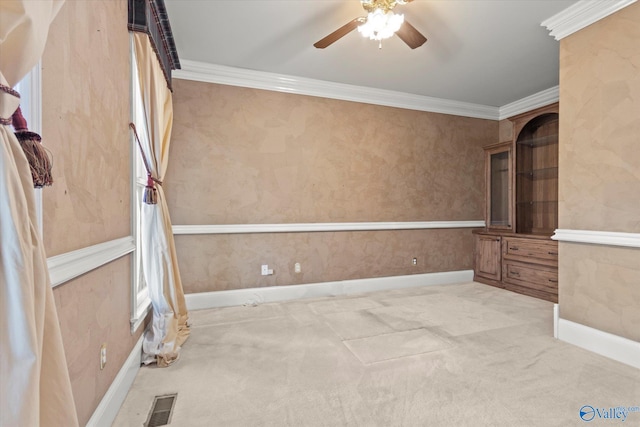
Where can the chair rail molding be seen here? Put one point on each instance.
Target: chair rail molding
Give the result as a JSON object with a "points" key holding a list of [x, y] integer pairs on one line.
{"points": [[580, 15], [611, 238], [67, 266], [320, 227]]}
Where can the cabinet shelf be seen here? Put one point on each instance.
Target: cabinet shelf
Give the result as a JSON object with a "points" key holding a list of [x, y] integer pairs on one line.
{"points": [[542, 173], [536, 202], [540, 141]]}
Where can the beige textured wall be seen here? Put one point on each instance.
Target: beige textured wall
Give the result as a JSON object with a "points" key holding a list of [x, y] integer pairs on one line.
{"points": [[85, 76], [223, 262], [600, 171], [94, 309], [247, 156], [505, 130]]}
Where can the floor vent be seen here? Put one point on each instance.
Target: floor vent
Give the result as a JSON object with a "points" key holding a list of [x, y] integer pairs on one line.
{"points": [[161, 410]]}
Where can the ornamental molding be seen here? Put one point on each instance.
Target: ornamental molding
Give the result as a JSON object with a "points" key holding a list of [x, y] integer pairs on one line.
{"points": [[532, 102], [220, 74], [580, 15]]}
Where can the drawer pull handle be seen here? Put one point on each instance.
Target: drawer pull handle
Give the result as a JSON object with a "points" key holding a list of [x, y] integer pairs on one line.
{"points": [[513, 248], [553, 281], [552, 253], [514, 273]]}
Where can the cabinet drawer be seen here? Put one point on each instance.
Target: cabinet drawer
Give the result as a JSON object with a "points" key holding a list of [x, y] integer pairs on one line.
{"points": [[530, 275], [544, 250]]}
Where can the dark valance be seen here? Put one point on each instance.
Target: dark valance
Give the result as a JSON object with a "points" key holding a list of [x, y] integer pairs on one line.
{"points": [[150, 17]]}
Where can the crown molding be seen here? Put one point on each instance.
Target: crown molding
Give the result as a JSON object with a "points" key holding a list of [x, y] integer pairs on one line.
{"points": [[537, 100], [581, 15], [220, 74]]}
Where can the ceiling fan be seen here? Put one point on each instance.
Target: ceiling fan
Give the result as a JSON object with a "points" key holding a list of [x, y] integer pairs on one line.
{"points": [[380, 23]]}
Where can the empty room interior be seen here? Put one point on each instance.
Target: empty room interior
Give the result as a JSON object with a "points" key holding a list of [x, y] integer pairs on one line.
{"points": [[256, 216]]}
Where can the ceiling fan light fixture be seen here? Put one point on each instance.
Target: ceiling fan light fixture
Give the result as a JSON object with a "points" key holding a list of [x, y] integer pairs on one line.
{"points": [[381, 25]]}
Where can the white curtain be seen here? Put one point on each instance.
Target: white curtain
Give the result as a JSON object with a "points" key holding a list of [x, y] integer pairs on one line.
{"points": [[170, 329], [34, 381]]}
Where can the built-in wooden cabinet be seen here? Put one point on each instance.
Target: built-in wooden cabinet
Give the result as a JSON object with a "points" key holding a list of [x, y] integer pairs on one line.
{"points": [[536, 174], [515, 250]]}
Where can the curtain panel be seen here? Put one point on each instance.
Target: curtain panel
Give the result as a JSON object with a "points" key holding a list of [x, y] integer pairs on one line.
{"points": [[34, 388], [169, 328]]}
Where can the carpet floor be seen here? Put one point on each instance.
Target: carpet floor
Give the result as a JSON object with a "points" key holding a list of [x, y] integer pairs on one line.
{"points": [[452, 355]]}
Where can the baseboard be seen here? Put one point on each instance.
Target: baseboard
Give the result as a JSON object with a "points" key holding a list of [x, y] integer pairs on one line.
{"points": [[106, 412], [204, 300], [603, 343]]}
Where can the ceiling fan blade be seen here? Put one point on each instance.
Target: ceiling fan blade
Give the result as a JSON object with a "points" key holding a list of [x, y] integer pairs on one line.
{"points": [[339, 33], [410, 35]]}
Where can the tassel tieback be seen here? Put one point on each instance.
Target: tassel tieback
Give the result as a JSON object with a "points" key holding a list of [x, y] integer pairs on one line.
{"points": [[39, 157], [150, 196]]}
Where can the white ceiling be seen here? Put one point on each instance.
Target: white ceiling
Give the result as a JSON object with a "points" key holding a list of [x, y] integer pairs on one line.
{"points": [[483, 52]]}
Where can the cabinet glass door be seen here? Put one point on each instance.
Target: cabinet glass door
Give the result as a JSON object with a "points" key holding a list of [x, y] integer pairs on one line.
{"points": [[499, 188]]}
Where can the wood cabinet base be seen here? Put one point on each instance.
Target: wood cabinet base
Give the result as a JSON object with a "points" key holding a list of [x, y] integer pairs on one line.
{"points": [[527, 264]]}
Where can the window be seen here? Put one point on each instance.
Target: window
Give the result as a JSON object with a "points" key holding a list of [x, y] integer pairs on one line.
{"points": [[30, 89], [139, 289]]}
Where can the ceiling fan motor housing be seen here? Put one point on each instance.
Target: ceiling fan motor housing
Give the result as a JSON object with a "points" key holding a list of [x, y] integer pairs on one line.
{"points": [[384, 5]]}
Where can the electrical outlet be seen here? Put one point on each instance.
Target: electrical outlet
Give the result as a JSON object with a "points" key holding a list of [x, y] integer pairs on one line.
{"points": [[265, 270], [103, 355], [297, 268], [415, 261]]}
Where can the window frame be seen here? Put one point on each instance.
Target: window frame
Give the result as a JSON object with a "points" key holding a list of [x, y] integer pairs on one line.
{"points": [[30, 89], [140, 300]]}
